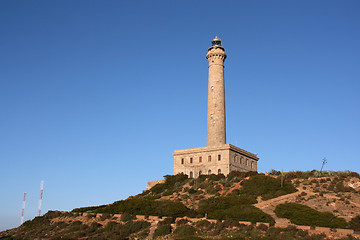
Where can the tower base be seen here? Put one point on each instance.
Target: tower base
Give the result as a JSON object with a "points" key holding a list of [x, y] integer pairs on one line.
{"points": [[213, 160]]}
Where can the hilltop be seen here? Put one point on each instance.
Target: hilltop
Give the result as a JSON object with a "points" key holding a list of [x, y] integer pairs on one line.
{"points": [[304, 205]]}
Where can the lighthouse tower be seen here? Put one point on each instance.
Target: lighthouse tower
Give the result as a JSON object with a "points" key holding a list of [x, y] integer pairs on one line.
{"points": [[217, 157], [216, 126]]}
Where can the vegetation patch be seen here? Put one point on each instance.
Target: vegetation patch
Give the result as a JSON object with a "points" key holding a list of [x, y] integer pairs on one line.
{"points": [[266, 187], [242, 213], [221, 203], [171, 181], [303, 215], [233, 207], [185, 231], [162, 230], [355, 223], [141, 206]]}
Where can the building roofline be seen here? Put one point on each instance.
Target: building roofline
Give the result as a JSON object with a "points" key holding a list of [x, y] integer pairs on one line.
{"points": [[216, 148]]}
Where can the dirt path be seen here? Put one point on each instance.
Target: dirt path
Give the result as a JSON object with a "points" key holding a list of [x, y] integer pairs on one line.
{"points": [[269, 206], [152, 230]]}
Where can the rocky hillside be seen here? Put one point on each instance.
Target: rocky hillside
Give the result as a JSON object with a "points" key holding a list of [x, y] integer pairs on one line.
{"points": [[239, 206]]}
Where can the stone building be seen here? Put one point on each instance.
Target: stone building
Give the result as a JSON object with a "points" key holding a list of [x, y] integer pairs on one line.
{"points": [[217, 157]]}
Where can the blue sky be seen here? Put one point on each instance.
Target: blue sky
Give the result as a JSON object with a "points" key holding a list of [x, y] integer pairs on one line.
{"points": [[96, 95]]}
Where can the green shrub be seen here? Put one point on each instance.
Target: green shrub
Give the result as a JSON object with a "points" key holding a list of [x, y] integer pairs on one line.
{"points": [[105, 216], [162, 230], [241, 213], [235, 192], [192, 191], [339, 187], [355, 223], [125, 217], [185, 231], [274, 172], [229, 223], [233, 207], [240, 175], [166, 221], [110, 226], [124, 230], [168, 192], [87, 209], [267, 187], [141, 206], [304, 215], [216, 203], [170, 182], [182, 222], [154, 197], [204, 224], [36, 222]]}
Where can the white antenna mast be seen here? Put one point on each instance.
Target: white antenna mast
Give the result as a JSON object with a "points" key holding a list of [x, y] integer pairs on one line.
{"points": [[23, 209], [41, 196]]}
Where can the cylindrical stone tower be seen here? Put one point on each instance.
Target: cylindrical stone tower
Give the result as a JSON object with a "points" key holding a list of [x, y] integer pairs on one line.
{"points": [[216, 129]]}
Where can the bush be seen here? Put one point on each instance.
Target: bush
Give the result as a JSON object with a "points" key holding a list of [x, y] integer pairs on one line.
{"points": [[204, 224], [230, 223], [266, 187], [110, 226], [233, 207], [162, 230], [127, 217], [339, 187], [355, 223], [141, 206], [192, 191], [242, 213], [185, 231], [304, 215], [216, 203], [182, 222], [87, 209], [262, 227], [166, 221], [36, 222], [274, 172], [240, 175], [170, 182], [130, 227], [105, 216]]}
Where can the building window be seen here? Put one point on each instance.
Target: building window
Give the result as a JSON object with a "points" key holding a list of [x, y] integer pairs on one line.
{"points": [[200, 159], [212, 117], [252, 164], [209, 172], [182, 161], [212, 88], [219, 171], [219, 157], [200, 172], [234, 158], [241, 160], [247, 162], [191, 174], [191, 160], [209, 158]]}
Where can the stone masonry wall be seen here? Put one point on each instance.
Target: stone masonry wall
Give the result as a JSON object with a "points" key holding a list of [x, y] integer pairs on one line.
{"points": [[213, 160]]}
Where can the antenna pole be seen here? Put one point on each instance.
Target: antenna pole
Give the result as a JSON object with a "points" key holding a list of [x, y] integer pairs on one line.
{"points": [[23, 209], [323, 163], [41, 196]]}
